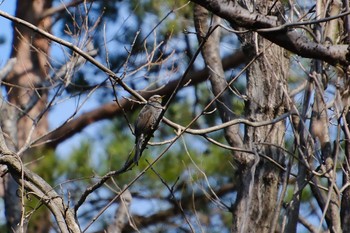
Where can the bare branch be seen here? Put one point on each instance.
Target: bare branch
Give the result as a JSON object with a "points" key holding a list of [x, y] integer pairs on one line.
{"points": [[112, 110], [54, 10], [76, 49], [122, 214], [65, 217], [227, 124], [291, 40]]}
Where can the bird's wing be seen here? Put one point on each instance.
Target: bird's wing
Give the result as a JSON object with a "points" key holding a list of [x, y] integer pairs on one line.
{"points": [[144, 120]]}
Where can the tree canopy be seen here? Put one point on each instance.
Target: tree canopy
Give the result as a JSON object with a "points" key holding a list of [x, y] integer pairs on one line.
{"points": [[253, 135]]}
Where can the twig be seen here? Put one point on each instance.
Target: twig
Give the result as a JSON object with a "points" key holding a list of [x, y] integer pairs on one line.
{"points": [[171, 191], [76, 49], [298, 24]]}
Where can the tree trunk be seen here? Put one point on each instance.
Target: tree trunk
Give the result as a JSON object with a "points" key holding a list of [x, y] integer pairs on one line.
{"points": [[256, 208], [29, 101], [31, 51]]}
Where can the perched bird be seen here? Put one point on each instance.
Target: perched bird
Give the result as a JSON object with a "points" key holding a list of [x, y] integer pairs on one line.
{"points": [[146, 123]]}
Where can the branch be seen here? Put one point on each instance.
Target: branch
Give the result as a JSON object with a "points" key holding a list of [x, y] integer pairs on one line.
{"points": [[108, 110], [226, 124], [291, 40], [122, 213], [63, 75], [186, 202], [173, 197], [30, 181], [112, 110], [54, 10], [65, 217], [308, 225], [76, 49]]}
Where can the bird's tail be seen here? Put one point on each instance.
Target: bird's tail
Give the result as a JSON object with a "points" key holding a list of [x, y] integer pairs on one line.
{"points": [[138, 149]]}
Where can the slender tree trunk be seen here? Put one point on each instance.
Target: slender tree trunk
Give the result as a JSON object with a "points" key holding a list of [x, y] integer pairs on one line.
{"points": [[31, 51], [345, 202], [212, 58]]}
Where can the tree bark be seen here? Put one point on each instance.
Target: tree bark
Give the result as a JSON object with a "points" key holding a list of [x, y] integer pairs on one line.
{"points": [[31, 68], [31, 51], [256, 204], [259, 179], [345, 202]]}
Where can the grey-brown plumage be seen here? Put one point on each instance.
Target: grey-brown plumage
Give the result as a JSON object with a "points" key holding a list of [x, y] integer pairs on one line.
{"points": [[146, 123]]}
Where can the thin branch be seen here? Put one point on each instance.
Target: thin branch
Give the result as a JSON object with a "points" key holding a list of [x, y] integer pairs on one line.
{"points": [[111, 110], [32, 182], [76, 49], [308, 225], [303, 23], [55, 10], [226, 124], [121, 214], [178, 204]]}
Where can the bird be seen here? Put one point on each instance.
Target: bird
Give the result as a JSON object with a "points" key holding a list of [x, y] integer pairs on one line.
{"points": [[146, 123]]}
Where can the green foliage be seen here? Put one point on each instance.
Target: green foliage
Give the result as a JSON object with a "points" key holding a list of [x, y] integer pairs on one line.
{"points": [[3, 228], [43, 162], [117, 150], [217, 162], [145, 8], [180, 112], [78, 163]]}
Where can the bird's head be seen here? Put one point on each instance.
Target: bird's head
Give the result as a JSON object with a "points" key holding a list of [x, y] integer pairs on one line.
{"points": [[155, 99]]}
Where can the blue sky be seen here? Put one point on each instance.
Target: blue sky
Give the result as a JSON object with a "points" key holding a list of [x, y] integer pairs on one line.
{"points": [[6, 30], [56, 117], [64, 109]]}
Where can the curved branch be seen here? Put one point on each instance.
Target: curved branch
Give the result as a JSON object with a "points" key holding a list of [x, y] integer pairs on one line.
{"points": [[65, 217], [112, 110], [76, 49], [226, 124], [63, 7], [291, 40]]}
